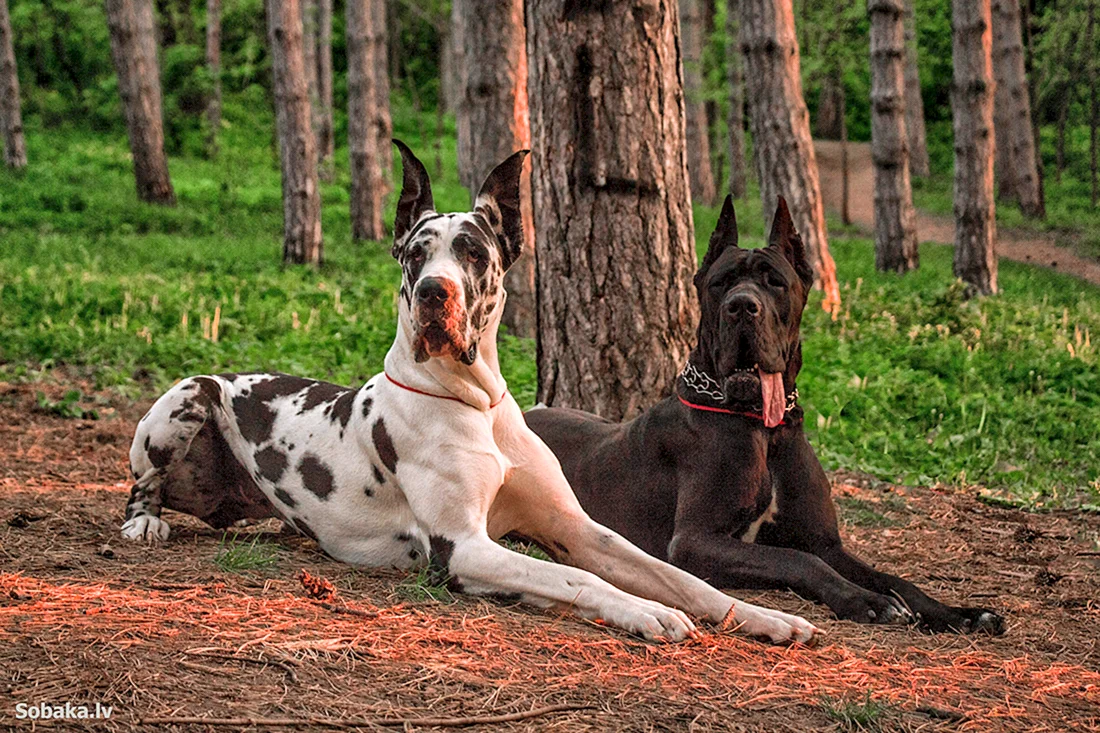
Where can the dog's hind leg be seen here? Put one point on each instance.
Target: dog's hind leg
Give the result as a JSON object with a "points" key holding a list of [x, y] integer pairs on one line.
{"points": [[161, 442]]}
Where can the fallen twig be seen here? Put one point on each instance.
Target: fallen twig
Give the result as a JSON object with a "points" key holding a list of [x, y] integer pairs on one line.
{"points": [[262, 662], [365, 722], [344, 609]]}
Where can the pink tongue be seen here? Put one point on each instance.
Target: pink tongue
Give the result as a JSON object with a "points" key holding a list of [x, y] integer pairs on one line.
{"points": [[775, 403]]}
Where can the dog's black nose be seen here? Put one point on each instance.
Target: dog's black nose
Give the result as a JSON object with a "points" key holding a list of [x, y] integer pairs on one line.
{"points": [[743, 304], [431, 291]]}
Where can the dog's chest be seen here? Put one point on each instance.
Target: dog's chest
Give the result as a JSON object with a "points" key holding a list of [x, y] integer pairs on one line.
{"points": [[765, 510]]}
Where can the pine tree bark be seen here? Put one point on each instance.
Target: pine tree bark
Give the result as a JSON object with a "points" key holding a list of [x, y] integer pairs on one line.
{"points": [[367, 188], [895, 220], [494, 122], [11, 119], [828, 121], [1094, 101], [1016, 162], [972, 107], [383, 122], [736, 120], [914, 102], [214, 67], [297, 144], [326, 143], [698, 141], [616, 249], [309, 59], [785, 161], [134, 52]]}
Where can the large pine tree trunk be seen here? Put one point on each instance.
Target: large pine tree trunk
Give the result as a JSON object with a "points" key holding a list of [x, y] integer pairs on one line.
{"points": [[616, 248], [736, 120], [785, 161], [326, 143], [297, 144], [493, 123], [895, 220], [383, 123], [214, 67], [972, 106], [367, 188], [698, 140], [1016, 165], [11, 120], [134, 52], [914, 103]]}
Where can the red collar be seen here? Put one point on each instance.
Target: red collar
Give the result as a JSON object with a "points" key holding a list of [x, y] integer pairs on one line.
{"points": [[708, 408], [442, 396]]}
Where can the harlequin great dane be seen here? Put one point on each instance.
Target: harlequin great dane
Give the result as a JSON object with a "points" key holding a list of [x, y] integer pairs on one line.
{"points": [[431, 460], [719, 478]]}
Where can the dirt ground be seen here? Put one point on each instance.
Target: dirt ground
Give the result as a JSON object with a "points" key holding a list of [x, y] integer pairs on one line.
{"points": [[161, 631], [1014, 245]]}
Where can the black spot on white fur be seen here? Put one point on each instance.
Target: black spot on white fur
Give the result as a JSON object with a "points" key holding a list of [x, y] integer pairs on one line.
{"points": [[383, 443], [316, 476]]}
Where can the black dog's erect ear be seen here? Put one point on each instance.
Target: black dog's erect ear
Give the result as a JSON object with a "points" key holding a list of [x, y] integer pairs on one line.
{"points": [[723, 237], [785, 238], [416, 195], [498, 202]]}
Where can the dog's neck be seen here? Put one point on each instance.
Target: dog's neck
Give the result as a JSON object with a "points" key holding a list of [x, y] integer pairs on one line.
{"points": [[479, 385], [697, 386]]}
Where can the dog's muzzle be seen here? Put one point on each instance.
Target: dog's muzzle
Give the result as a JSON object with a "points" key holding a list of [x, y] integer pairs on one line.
{"points": [[440, 318]]}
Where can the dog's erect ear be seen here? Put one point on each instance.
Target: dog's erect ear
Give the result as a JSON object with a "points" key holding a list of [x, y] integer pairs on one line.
{"points": [[499, 204], [785, 238], [416, 195], [723, 237]]}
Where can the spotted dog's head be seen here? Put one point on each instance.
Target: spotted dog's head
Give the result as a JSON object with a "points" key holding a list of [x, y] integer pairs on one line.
{"points": [[453, 265], [752, 302]]}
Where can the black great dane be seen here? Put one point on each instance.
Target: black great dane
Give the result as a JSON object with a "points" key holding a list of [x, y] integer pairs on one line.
{"points": [[719, 478]]}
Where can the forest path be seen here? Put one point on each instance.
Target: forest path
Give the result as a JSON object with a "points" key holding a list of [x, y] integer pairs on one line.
{"points": [[1013, 244]]}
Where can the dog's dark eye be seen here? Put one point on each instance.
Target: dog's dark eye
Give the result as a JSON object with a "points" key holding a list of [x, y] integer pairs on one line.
{"points": [[475, 256], [776, 282], [416, 254]]}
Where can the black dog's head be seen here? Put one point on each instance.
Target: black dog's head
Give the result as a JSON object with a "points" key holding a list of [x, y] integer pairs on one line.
{"points": [[751, 302], [453, 265]]}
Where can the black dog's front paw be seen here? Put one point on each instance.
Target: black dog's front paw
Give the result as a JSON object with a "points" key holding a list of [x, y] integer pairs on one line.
{"points": [[965, 621], [867, 607]]}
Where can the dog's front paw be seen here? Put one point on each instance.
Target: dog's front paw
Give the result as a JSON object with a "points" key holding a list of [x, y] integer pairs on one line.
{"points": [[868, 607], [765, 623], [965, 621], [654, 622], [146, 527]]}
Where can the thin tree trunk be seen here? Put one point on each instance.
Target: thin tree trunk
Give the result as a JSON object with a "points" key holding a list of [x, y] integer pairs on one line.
{"points": [[698, 139], [616, 249], [367, 189], [297, 144], [326, 143], [1012, 112], [784, 151], [827, 123], [11, 120], [309, 59], [383, 123], [451, 70], [134, 52], [1028, 21], [845, 187], [736, 121], [707, 11], [895, 220], [914, 102], [972, 106], [494, 122], [214, 67], [1094, 101], [1060, 147]]}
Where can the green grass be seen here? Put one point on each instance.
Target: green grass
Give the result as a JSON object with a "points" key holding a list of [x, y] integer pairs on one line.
{"points": [[423, 585], [911, 383], [856, 715], [239, 556]]}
